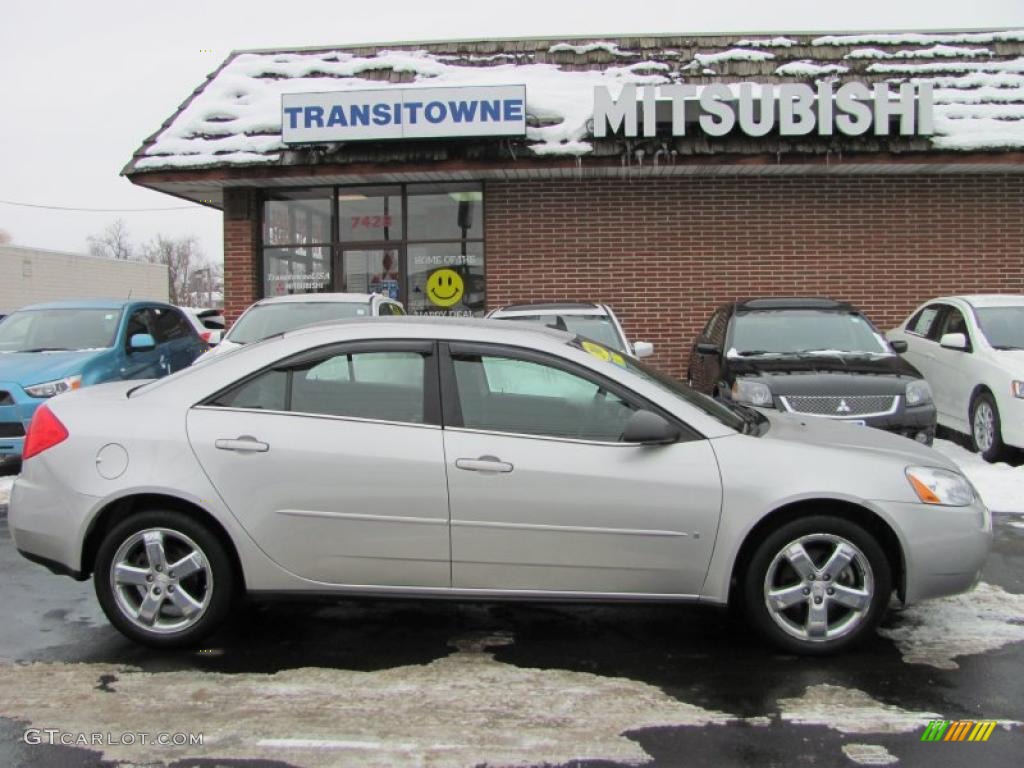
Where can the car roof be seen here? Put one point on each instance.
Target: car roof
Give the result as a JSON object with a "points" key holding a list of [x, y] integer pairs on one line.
{"points": [[91, 304], [553, 306], [428, 325], [793, 302], [321, 298], [991, 299]]}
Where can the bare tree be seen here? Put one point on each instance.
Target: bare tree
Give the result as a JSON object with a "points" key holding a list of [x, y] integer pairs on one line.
{"points": [[183, 258], [113, 242], [5, 237]]}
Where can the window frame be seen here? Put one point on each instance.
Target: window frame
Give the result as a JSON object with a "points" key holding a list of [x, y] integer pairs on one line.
{"points": [[452, 409], [431, 379]]}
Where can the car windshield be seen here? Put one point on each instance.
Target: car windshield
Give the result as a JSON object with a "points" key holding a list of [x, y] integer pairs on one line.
{"points": [[804, 331], [270, 319], [599, 328], [58, 330], [1002, 326]]}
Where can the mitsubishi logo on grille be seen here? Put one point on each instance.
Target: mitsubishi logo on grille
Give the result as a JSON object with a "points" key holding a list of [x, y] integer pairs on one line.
{"points": [[842, 407]]}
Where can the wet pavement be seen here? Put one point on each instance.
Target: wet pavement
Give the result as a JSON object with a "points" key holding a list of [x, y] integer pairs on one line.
{"points": [[438, 684]]}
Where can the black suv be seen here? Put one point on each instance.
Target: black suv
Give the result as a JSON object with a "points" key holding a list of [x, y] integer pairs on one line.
{"points": [[814, 357]]}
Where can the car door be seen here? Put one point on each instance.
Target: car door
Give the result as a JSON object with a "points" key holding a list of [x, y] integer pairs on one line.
{"points": [[334, 463], [545, 496], [920, 335], [952, 367], [140, 363]]}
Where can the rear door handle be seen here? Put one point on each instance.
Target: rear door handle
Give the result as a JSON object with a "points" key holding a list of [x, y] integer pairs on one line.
{"points": [[484, 464], [242, 444]]}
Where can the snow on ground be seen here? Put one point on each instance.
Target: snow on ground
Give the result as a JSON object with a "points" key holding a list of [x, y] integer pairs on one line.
{"points": [[937, 631], [849, 710], [1000, 485], [5, 488], [869, 754]]}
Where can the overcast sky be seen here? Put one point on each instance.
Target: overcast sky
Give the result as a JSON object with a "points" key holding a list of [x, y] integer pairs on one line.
{"points": [[83, 83]]}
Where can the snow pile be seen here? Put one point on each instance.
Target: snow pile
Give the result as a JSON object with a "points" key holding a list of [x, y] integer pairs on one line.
{"points": [[733, 54], [5, 489], [1000, 485], [1011, 65], [934, 52], [771, 42], [809, 69], [937, 631], [580, 50], [917, 38]]}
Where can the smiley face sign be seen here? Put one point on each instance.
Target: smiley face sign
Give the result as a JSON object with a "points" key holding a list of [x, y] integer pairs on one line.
{"points": [[445, 287]]}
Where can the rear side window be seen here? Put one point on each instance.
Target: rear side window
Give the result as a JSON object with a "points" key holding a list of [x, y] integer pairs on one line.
{"points": [[921, 323]]}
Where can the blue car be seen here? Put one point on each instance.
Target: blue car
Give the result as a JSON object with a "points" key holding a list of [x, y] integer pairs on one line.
{"points": [[47, 349]]}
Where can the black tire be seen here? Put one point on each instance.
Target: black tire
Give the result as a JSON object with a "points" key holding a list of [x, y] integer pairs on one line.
{"points": [[996, 449], [859, 623], [214, 580]]}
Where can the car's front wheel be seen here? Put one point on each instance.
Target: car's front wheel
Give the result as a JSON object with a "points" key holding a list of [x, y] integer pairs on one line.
{"points": [[986, 433], [164, 579], [817, 585]]}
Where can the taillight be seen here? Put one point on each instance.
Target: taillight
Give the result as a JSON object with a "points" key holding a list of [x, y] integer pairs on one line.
{"points": [[44, 431]]}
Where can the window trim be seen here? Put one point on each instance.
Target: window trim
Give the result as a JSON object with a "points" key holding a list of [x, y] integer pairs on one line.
{"points": [[425, 347], [452, 409]]}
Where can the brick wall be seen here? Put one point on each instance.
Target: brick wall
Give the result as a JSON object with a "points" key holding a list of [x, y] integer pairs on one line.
{"points": [[241, 251], [665, 252]]}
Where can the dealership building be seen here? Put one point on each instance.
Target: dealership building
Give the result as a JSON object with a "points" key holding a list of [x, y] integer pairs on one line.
{"points": [[660, 174]]}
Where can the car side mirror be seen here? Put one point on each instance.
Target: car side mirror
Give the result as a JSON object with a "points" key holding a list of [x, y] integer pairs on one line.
{"points": [[141, 342], [953, 341], [649, 428], [707, 348], [643, 349], [899, 347]]}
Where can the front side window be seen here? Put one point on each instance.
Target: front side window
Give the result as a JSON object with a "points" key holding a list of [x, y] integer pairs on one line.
{"points": [[804, 331], [40, 330], [504, 394], [383, 386], [1002, 326], [266, 320], [168, 324]]}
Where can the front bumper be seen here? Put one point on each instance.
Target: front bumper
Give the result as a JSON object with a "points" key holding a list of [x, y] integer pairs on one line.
{"points": [[16, 409], [944, 548]]}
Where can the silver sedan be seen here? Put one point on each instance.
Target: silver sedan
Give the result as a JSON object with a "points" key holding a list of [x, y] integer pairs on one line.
{"points": [[479, 460]]}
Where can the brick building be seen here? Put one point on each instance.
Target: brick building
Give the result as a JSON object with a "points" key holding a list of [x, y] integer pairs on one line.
{"points": [[890, 170]]}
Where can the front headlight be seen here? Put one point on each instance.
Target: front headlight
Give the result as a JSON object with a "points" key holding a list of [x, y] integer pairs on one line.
{"points": [[940, 486], [918, 392], [52, 388], [752, 393], [1017, 387]]}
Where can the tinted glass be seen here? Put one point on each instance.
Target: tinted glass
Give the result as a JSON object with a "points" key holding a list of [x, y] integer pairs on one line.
{"points": [[56, 329], [1002, 326], [296, 270], [370, 213], [954, 322], [507, 395], [297, 217], [446, 279], [597, 327], [386, 386], [265, 392], [168, 324], [445, 211], [803, 330], [270, 319]]}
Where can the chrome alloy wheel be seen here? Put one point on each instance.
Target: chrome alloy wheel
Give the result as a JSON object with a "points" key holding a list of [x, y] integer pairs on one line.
{"points": [[984, 426], [161, 580], [819, 587]]}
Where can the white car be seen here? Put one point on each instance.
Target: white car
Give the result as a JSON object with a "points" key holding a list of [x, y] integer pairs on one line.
{"points": [[269, 317], [593, 321], [970, 349], [209, 323]]}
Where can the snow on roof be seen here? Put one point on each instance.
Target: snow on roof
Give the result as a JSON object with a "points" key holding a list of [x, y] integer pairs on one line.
{"points": [[234, 118]]}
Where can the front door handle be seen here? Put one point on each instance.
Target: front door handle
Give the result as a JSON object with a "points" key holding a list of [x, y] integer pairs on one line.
{"points": [[242, 444], [484, 464]]}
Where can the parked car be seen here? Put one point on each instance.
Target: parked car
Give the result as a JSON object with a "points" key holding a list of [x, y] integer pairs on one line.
{"points": [[971, 351], [47, 349], [814, 357], [593, 321], [209, 323], [421, 457], [269, 317]]}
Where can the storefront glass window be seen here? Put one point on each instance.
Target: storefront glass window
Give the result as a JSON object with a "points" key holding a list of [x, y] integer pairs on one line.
{"points": [[445, 211], [370, 213], [372, 270], [297, 217], [296, 270], [445, 279]]}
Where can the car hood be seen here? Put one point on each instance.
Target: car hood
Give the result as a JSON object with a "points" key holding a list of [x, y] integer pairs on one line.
{"points": [[838, 435], [1010, 360], [28, 368], [824, 375]]}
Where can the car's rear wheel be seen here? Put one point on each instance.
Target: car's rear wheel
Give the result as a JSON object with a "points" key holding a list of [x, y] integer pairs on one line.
{"points": [[164, 579], [817, 585], [986, 434]]}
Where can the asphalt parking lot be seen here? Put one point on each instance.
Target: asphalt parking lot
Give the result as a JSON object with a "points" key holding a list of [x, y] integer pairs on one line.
{"points": [[453, 684]]}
